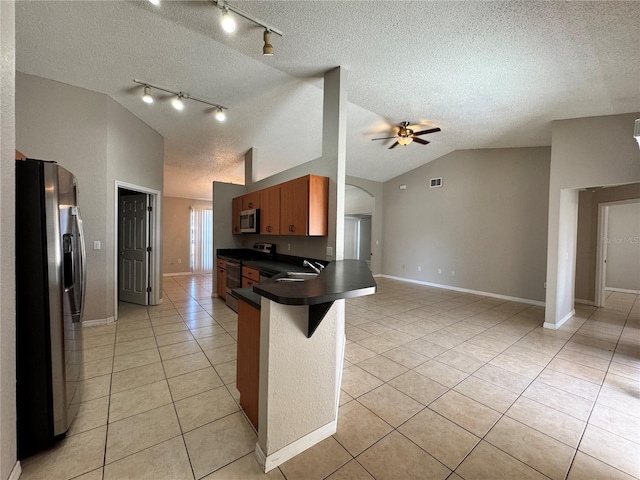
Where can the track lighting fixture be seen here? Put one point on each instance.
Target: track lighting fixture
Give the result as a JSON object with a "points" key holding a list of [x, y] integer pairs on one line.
{"points": [[267, 49], [178, 101], [220, 115], [147, 98], [229, 23], [155, 2]]}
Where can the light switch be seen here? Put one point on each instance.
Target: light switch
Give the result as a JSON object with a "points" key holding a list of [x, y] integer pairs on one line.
{"points": [[96, 244]]}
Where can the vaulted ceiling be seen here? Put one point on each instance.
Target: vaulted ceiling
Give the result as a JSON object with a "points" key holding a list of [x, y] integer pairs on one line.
{"points": [[490, 74]]}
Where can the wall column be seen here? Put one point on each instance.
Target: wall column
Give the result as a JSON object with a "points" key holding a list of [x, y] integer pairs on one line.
{"points": [[8, 449]]}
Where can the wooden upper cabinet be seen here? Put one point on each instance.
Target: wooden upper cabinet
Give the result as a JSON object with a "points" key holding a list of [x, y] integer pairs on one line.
{"points": [[270, 211], [235, 219], [251, 201], [304, 206], [297, 207]]}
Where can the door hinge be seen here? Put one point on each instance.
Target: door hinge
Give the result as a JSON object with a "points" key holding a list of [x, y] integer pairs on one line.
{"points": [[148, 289], [149, 208], [148, 249]]}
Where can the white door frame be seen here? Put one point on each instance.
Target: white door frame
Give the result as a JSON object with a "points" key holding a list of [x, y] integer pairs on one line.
{"points": [[601, 248], [155, 235]]}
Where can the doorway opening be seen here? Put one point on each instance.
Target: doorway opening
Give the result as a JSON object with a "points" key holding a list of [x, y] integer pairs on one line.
{"points": [[618, 252], [137, 245], [358, 212]]}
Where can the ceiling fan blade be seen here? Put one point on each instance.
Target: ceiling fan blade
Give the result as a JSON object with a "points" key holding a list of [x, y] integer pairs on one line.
{"points": [[424, 132], [384, 138], [394, 145], [420, 141]]}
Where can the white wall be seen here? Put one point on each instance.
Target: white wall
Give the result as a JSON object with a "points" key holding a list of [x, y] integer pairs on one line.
{"points": [[585, 152], [8, 451], [100, 142], [487, 223], [623, 247], [331, 164]]}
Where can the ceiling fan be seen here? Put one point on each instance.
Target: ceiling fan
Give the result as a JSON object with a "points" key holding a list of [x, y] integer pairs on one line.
{"points": [[405, 135]]}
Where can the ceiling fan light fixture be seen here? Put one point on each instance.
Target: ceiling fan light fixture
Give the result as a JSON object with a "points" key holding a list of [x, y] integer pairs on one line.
{"points": [[227, 21], [177, 102], [267, 49], [147, 98], [220, 115], [404, 141]]}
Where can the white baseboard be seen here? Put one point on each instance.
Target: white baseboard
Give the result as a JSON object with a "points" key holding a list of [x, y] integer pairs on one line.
{"points": [[16, 472], [98, 321], [622, 290], [177, 274], [286, 453], [557, 325], [378, 275], [467, 290], [584, 302]]}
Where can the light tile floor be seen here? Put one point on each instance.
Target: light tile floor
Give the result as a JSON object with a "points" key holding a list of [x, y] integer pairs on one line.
{"points": [[437, 384]]}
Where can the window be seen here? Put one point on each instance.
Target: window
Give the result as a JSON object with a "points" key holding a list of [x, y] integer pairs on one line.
{"points": [[201, 240]]}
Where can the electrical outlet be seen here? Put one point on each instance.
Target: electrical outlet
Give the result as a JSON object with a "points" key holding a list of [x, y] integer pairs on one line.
{"points": [[419, 268], [329, 251], [96, 244], [288, 246], [439, 270], [179, 260]]}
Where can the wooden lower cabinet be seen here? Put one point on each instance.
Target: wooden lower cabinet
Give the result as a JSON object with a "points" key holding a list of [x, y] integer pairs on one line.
{"points": [[248, 364], [221, 279]]}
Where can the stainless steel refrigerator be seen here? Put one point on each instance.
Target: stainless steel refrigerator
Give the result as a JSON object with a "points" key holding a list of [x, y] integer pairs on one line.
{"points": [[50, 292]]}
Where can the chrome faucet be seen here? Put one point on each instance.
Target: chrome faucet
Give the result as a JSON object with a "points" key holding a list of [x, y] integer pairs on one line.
{"points": [[307, 263]]}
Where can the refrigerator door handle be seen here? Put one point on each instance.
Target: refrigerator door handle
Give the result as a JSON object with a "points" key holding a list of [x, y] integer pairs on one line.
{"points": [[75, 212]]}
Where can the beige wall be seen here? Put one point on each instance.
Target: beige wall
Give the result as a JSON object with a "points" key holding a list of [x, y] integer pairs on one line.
{"points": [[8, 452], [176, 233], [585, 152], [587, 239], [487, 223], [100, 142]]}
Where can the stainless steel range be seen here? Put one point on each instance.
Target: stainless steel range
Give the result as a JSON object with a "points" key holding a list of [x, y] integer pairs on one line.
{"points": [[259, 251]]}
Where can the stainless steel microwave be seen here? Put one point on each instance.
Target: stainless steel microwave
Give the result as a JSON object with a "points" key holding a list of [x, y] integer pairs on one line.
{"points": [[250, 221]]}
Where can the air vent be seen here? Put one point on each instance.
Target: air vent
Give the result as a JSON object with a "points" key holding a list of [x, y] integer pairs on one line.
{"points": [[436, 182]]}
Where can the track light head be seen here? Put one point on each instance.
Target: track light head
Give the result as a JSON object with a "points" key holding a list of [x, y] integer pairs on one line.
{"points": [[228, 22], [147, 98], [267, 49], [220, 115], [177, 102], [155, 2]]}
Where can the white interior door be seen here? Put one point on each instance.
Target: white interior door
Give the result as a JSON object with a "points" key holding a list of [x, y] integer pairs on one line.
{"points": [[133, 243]]}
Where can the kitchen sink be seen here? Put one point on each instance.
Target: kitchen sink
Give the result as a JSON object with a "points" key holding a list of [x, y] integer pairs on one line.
{"points": [[296, 277]]}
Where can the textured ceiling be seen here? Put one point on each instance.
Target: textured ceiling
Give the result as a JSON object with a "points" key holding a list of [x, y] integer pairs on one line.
{"points": [[490, 74]]}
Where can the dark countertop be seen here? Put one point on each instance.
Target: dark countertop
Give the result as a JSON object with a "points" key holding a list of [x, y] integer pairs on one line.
{"points": [[341, 279], [249, 296]]}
